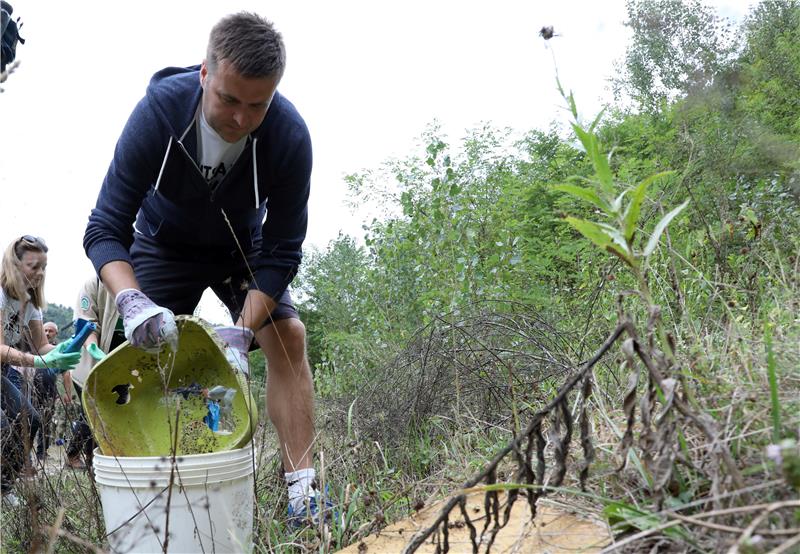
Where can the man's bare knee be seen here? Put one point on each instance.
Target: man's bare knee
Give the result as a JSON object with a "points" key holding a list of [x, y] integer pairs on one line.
{"points": [[285, 339]]}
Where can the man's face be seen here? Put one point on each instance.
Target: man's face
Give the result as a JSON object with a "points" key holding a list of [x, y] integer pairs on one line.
{"points": [[50, 331], [235, 106]]}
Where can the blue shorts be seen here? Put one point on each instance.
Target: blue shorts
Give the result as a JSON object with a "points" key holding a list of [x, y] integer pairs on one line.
{"points": [[177, 278]]}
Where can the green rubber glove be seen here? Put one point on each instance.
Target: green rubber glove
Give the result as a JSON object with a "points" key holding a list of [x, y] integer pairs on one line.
{"points": [[95, 352], [57, 360]]}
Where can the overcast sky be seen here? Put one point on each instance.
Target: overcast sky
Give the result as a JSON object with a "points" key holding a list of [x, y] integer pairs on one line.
{"points": [[367, 76]]}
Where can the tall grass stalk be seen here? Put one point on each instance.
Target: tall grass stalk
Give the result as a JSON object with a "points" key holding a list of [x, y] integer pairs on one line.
{"points": [[773, 384]]}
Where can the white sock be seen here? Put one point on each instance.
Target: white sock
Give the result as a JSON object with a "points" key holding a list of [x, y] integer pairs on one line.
{"points": [[299, 483]]}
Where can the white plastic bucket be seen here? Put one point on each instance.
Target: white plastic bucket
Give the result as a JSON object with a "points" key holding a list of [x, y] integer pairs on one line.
{"points": [[210, 506]]}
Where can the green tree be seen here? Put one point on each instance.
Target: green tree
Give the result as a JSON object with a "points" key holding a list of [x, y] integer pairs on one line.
{"points": [[344, 323], [62, 316], [678, 46], [771, 66]]}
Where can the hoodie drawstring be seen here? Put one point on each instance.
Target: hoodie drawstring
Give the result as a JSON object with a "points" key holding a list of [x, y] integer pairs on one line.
{"points": [[163, 164], [255, 174]]}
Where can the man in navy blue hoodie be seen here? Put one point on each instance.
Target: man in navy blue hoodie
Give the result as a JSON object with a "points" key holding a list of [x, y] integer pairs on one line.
{"points": [[209, 187]]}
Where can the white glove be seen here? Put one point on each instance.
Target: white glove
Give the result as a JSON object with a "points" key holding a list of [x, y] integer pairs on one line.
{"points": [[147, 326], [237, 345]]}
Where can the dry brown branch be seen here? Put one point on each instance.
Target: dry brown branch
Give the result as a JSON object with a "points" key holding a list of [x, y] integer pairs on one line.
{"points": [[728, 529], [79, 541], [748, 532], [697, 520], [53, 532], [788, 546], [708, 524], [657, 439], [702, 421], [640, 535], [730, 494], [531, 435]]}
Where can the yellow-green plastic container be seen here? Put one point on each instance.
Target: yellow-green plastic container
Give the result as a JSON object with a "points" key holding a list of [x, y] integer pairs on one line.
{"points": [[165, 404]]}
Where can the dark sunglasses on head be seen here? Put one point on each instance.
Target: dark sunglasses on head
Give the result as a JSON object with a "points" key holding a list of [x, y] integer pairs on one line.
{"points": [[36, 242]]}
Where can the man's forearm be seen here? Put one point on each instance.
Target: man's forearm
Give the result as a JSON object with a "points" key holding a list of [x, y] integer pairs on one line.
{"points": [[117, 276], [68, 383], [257, 307]]}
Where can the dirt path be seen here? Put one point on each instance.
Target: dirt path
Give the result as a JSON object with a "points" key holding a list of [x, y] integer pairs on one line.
{"points": [[553, 532]]}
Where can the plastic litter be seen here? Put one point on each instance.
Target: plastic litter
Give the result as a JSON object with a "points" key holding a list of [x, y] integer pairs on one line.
{"points": [[167, 408]]}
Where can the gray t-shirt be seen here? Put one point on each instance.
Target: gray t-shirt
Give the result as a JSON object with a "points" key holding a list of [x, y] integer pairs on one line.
{"points": [[14, 321], [215, 156]]}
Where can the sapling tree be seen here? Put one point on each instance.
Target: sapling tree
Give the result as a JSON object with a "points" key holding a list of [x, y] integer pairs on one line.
{"points": [[618, 230]]}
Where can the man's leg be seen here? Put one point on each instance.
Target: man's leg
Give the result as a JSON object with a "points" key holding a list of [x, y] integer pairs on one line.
{"points": [[82, 442], [290, 390], [290, 397]]}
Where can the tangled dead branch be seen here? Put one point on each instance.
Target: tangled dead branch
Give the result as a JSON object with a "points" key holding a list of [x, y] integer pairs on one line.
{"points": [[488, 363], [663, 410], [522, 448]]}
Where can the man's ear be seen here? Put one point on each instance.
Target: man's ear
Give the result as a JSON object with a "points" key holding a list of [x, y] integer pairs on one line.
{"points": [[203, 74]]}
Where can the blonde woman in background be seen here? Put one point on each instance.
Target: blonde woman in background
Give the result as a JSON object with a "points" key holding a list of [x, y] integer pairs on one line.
{"points": [[22, 277]]}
